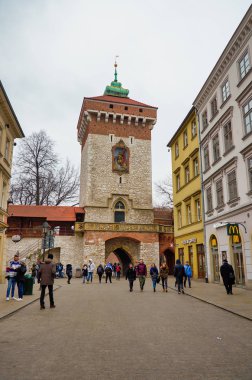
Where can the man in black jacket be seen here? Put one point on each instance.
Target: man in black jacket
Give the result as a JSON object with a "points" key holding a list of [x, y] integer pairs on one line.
{"points": [[131, 276], [227, 274]]}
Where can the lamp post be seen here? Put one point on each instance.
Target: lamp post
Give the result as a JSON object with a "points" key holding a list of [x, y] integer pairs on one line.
{"points": [[45, 228]]}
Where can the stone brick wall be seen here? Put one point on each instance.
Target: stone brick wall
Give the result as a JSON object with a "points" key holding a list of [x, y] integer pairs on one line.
{"points": [[101, 187]]}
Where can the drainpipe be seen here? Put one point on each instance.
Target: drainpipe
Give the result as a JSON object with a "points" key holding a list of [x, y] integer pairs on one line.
{"points": [[203, 197]]}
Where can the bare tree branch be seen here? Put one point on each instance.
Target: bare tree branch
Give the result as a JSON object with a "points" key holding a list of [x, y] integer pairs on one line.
{"points": [[164, 193]]}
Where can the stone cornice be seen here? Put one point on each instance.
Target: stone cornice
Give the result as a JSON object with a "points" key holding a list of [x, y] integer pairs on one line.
{"points": [[122, 227], [232, 50]]}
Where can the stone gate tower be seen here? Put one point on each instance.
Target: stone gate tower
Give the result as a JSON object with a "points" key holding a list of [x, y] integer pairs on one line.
{"points": [[116, 181]]}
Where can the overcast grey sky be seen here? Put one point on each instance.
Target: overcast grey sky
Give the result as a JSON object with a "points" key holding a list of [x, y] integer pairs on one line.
{"points": [[55, 52]]}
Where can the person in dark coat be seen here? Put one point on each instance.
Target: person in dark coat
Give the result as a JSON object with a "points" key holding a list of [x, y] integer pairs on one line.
{"points": [[164, 272], [227, 274], [69, 272], [154, 276], [20, 280], [108, 272], [46, 275], [100, 272], [131, 276], [179, 274], [141, 271]]}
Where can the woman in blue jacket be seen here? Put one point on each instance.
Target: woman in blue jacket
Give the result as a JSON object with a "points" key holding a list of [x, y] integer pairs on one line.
{"points": [[154, 276], [188, 274]]}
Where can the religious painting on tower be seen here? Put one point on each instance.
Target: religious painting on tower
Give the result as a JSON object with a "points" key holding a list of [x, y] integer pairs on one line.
{"points": [[120, 158]]}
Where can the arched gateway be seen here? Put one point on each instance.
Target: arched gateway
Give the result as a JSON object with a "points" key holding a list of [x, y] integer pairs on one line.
{"points": [[126, 251]]}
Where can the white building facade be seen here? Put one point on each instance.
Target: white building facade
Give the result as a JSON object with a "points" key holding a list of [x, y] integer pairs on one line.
{"points": [[224, 106]]}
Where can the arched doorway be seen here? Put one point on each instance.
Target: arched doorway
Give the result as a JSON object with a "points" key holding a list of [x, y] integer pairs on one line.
{"points": [[170, 260], [125, 250], [236, 248], [215, 258]]}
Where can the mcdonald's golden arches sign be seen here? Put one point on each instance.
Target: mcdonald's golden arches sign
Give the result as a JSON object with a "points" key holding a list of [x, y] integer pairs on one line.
{"points": [[233, 230]]}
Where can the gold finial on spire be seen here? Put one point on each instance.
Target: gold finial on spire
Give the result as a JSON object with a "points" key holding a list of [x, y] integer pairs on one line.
{"points": [[115, 65]]}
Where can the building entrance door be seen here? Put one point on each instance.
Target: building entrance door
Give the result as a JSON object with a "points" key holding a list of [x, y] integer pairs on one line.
{"points": [[216, 265], [201, 261], [238, 264]]}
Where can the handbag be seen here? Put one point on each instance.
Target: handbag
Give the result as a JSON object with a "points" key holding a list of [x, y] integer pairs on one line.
{"points": [[158, 279]]}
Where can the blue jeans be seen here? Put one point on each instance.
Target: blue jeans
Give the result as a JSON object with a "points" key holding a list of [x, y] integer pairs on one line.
{"points": [[20, 289], [11, 287], [90, 276], [154, 282]]}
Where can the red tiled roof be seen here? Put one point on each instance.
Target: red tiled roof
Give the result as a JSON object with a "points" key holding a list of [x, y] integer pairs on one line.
{"points": [[52, 213], [115, 99]]}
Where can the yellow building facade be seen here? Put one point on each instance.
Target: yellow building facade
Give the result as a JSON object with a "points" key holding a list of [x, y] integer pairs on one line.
{"points": [[188, 222], [10, 129]]}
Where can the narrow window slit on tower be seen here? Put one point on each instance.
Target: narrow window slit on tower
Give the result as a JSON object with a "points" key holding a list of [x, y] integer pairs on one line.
{"points": [[120, 179]]}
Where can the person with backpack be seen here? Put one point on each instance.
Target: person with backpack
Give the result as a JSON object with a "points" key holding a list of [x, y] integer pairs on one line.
{"points": [[84, 273], [69, 272], [141, 271], [108, 272], [118, 271], [131, 276], [188, 274], [154, 276], [179, 274], [228, 276], [164, 272], [100, 272]]}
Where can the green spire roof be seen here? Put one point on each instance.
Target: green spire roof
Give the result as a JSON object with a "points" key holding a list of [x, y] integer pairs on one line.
{"points": [[115, 88]]}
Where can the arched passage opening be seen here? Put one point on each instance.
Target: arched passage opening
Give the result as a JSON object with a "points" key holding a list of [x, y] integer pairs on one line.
{"points": [[122, 250], [170, 260]]}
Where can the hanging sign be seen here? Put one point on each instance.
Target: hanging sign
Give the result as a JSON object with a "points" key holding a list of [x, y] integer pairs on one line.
{"points": [[233, 229]]}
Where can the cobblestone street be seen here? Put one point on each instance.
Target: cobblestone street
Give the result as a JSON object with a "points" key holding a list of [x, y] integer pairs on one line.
{"points": [[106, 332]]}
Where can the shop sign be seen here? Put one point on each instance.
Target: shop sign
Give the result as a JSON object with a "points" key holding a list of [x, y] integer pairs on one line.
{"points": [[233, 229], [190, 241]]}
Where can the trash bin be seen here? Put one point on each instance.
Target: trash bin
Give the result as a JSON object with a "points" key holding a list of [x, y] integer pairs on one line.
{"points": [[28, 285], [78, 273]]}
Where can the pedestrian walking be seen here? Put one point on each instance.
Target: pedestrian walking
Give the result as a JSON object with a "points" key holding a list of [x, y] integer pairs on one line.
{"points": [[21, 270], [141, 271], [118, 271], [69, 272], [47, 272], [164, 272], [60, 270], [154, 276], [228, 276], [100, 271], [188, 274], [179, 274], [11, 274], [114, 270], [108, 272], [91, 268], [85, 273], [131, 276]]}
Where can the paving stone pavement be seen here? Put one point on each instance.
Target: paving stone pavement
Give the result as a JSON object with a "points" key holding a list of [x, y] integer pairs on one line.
{"points": [[102, 331]]}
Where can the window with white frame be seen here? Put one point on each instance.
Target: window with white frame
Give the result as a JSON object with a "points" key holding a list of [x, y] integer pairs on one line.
{"points": [[214, 108], [204, 119], [178, 182], [206, 157], [247, 116], [244, 65], [209, 199], [189, 214], [4, 195], [225, 90], [193, 128], [228, 138], [250, 172], [219, 193], [187, 174], [179, 218], [176, 149], [7, 150], [185, 138], [198, 211], [216, 147], [232, 185], [119, 213], [196, 166]]}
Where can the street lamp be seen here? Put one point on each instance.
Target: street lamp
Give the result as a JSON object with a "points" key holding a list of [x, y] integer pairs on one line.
{"points": [[45, 228]]}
